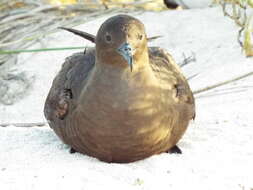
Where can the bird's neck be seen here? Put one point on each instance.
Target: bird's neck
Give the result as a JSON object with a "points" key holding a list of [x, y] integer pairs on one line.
{"points": [[117, 65], [114, 86], [121, 71]]}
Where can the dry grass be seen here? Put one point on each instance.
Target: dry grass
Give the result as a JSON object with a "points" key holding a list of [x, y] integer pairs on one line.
{"points": [[24, 22], [238, 11]]}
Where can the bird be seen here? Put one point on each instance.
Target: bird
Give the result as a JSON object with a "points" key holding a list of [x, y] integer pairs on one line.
{"points": [[120, 101]]}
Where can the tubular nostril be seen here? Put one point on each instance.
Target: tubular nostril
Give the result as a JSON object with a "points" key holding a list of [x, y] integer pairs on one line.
{"points": [[127, 49]]}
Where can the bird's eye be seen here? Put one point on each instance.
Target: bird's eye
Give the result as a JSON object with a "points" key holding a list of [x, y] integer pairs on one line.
{"points": [[108, 38], [139, 36]]}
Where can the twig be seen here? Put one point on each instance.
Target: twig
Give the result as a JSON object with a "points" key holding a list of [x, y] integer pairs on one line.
{"points": [[188, 60], [222, 83], [29, 38], [36, 10], [191, 77], [56, 20], [39, 124], [239, 37], [38, 50], [235, 16]]}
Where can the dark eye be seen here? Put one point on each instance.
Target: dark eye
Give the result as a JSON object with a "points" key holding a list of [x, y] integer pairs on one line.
{"points": [[139, 36], [108, 38]]}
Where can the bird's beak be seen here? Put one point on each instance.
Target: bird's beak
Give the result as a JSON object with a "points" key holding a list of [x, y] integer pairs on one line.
{"points": [[127, 52]]}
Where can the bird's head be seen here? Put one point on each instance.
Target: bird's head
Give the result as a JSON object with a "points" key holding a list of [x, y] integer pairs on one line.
{"points": [[121, 40]]}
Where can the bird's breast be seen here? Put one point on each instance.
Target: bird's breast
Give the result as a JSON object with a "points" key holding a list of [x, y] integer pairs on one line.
{"points": [[126, 117]]}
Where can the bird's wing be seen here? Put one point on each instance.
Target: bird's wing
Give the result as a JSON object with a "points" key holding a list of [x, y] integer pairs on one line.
{"points": [[67, 86], [92, 38], [84, 35], [170, 77]]}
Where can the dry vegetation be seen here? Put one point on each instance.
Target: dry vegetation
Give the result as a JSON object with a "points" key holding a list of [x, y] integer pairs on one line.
{"points": [[241, 11], [24, 22]]}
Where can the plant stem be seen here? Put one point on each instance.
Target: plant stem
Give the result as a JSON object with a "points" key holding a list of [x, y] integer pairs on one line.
{"points": [[38, 50]]}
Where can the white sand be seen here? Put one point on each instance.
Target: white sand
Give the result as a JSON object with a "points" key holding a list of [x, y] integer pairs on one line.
{"points": [[217, 147]]}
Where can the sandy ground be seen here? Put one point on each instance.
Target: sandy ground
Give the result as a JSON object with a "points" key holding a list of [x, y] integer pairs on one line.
{"points": [[217, 147]]}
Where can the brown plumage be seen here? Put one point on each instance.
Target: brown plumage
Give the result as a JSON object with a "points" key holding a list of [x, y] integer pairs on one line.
{"points": [[102, 109]]}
